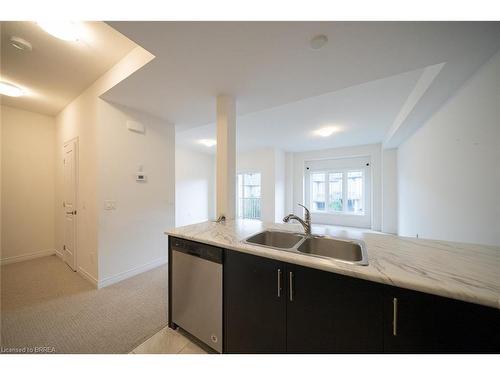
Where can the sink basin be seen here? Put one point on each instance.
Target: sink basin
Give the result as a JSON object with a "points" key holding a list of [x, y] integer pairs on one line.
{"points": [[348, 251], [280, 240]]}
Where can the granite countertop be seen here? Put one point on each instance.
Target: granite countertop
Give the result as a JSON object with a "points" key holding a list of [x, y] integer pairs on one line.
{"points": [[466, 272]]}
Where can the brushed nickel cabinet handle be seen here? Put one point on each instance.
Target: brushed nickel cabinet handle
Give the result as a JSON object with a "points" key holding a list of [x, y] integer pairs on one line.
{"points": [[279, 282], [394, 316], [290, 280]]}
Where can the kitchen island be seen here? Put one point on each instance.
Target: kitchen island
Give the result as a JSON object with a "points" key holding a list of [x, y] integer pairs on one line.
{"points": [[413, 296], [467, 272]]}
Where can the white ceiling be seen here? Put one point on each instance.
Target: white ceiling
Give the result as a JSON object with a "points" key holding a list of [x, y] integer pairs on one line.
{"points": [[56, 71], [362, 114], [265, 65]]}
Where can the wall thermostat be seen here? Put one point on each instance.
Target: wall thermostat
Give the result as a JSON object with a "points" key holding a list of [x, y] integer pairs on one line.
{"points": [[140, 177]]}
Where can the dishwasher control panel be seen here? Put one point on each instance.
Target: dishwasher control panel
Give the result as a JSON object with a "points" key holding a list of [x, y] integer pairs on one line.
{"points": [[200, 250]]}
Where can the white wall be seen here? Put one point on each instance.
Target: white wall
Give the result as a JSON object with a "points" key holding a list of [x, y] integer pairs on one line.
{"points": [[194, 186], [195, 183], [132, 236], [82, 119], [28, 179], [79, 120], [372, 151], [270, 163], [448, 171], [1, 183], [389, 191], [279, 185], [289, 181]]}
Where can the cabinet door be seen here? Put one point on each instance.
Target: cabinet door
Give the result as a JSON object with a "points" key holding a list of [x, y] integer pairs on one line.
{"points": [[409, 322], [254, 309], [422, 323], [330, 313]]}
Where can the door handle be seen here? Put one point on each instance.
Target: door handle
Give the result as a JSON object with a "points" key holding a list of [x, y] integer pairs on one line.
{"points": [[394, 316], [279, 282], [71, 212], [290, 285]]}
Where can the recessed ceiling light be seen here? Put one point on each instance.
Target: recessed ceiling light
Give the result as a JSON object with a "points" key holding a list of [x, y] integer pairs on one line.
{"points": [[10, 89], [20, 43], [65, 30], [208, 142], [326, 131], [318, 41]]}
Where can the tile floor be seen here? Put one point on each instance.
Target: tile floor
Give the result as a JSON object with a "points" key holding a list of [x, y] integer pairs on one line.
{"points": [[168, 341]]}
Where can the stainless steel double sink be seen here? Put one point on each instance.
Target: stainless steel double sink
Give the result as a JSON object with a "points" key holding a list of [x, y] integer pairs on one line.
{"points": [[347, 251]]}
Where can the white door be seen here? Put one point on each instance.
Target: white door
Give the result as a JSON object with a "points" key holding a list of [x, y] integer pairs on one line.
{"points": [[69, 203]]}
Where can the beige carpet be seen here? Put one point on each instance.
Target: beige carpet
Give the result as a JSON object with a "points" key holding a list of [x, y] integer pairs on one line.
{"points": [[45, 304]]}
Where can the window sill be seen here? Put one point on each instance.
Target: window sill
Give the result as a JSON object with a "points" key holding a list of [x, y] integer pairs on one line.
{"points": [[339, 213]]}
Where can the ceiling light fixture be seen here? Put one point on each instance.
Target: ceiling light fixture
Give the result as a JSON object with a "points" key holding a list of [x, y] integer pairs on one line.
{"points": [[208, 142], [65, 30], [318, 41], [20, 43], [10, 89], [326, 131]]}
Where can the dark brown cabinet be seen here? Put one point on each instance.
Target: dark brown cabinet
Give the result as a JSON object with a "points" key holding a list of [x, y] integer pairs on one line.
{"points": [[276, 307], [331, 313], [423, 323], [409, 322], [254, 310]]}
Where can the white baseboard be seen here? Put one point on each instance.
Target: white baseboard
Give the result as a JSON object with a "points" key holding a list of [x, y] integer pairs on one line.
{"points": [[24, 257], [87, 276], [132, 272]]}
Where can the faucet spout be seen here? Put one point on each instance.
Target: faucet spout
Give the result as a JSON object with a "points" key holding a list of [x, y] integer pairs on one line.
{"points": [[306, 223]]}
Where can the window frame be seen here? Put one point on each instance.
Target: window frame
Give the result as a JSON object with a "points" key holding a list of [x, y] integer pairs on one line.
{"points": [[344, 172], [239, 214]]}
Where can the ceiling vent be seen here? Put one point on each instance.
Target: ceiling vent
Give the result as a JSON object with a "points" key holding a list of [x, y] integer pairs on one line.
{"points": [[318, 41]]}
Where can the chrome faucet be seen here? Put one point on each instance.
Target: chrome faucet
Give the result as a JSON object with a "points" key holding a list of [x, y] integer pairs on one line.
{"points": [[306, 223]]}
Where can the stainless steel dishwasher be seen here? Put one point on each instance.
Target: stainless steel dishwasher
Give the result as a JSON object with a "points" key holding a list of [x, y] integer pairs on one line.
{"points": [[197, 290]]}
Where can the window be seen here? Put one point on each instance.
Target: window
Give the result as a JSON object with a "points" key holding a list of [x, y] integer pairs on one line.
{"points": [[344, 192], [249, 196], [335, 192], [355, 192], [318, 191]]}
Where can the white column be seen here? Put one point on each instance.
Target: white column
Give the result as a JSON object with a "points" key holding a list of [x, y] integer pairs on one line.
{"points": [[226, 156]]}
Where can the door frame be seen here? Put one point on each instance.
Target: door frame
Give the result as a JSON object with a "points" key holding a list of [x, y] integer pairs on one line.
{"points": [[74, 140]]}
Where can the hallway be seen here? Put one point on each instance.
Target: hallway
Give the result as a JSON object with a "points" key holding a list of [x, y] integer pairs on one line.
{"points": [[45, 304]]}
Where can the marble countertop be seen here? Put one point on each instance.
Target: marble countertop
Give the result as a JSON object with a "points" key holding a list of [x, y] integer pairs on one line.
{"points": [[466, 272]]}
